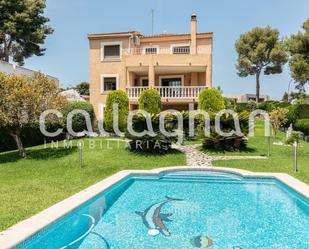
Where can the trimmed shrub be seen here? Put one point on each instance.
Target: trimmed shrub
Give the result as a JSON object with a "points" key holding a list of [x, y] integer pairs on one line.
{"points": [[302, 125], [211, 100], [150, 101], [121, 98], [79, 121], [158, 144]]}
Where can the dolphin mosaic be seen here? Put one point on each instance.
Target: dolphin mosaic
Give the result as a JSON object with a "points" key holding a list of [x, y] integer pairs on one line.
{"points": [[153, 218]]}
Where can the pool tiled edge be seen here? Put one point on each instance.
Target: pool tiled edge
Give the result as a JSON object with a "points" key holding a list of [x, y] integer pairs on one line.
{"points": [[27, 228]]}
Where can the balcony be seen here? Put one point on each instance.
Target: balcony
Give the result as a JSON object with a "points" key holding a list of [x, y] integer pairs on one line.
{"points": [[172, 92], [165, 51]]}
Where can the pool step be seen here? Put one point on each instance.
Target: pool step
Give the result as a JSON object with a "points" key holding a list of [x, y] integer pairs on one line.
{"points": [[203, 179]]}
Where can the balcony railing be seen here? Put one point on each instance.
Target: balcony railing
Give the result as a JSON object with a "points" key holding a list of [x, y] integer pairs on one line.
{"points": [[175, 92], [135, 92], [158, 50]]}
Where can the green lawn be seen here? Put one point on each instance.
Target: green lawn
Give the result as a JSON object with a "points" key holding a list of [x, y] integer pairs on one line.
{"points": [[281, 159], [49, 175]]}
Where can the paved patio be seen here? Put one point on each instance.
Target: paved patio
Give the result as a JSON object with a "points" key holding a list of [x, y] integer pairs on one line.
{"points": [[197, 158]]}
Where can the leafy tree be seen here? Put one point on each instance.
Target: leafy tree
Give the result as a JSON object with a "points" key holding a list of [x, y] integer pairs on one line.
{"points": [[211, 100], [121, 98], [22, 29], [22, 100], [82, 88], [298, 47], [299, 96], [278, 118], [260, 51], [285, 97], [150, 101], [230, 103]]}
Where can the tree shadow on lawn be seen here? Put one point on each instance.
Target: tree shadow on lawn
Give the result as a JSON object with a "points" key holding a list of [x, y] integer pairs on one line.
{"points": [[218, 151], [37, 154]]}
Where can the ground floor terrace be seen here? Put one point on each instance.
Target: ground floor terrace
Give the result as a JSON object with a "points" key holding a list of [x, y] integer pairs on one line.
{"points": [[178, 86]]}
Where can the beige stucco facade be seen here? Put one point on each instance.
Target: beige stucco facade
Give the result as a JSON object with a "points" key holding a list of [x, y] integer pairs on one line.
{"points": [[179, 66]]}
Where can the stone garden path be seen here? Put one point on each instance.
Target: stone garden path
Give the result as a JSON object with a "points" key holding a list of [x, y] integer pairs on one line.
{"points": [[197, 158]]}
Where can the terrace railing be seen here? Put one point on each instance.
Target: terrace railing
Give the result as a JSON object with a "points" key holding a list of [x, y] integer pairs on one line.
{"points": [[158, 50], [174, 92], [135, 92]]}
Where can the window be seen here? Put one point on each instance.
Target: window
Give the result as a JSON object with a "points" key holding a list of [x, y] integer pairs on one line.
{"points": [[172, 85], [144, 81], [151, 50], [172, 80], [109, 83], [111, 50], [181, 50]]}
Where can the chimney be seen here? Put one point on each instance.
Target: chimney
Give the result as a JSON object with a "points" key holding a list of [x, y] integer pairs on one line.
{"points": [[193, 33]]}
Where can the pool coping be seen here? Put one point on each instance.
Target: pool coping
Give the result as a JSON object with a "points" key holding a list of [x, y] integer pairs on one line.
{"points": [[23, 230]]}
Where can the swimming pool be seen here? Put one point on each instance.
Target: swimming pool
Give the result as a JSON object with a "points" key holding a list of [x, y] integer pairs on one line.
{"points": [[184, 210]]}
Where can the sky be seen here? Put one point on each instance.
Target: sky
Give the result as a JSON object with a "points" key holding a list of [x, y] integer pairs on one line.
{"points": [[67, 53]]}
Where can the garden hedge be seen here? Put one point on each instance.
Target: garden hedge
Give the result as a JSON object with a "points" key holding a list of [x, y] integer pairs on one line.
{"points": [[271, 105], [297, 111], [302, 125], [302, 111], [241, 107], [30, 136], [159, 143], [79, 122]]}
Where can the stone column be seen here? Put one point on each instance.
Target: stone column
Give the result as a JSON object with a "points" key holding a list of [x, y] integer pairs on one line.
{"points": [[194, 79], [208, 76], [151, 75]]}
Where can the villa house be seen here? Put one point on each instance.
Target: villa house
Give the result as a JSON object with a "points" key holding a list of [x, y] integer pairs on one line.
{"points": [[245, 98], [9, 68], [179, 66]]}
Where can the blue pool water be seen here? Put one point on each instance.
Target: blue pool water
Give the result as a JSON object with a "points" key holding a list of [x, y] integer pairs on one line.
{"points": [[184, 210]]}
